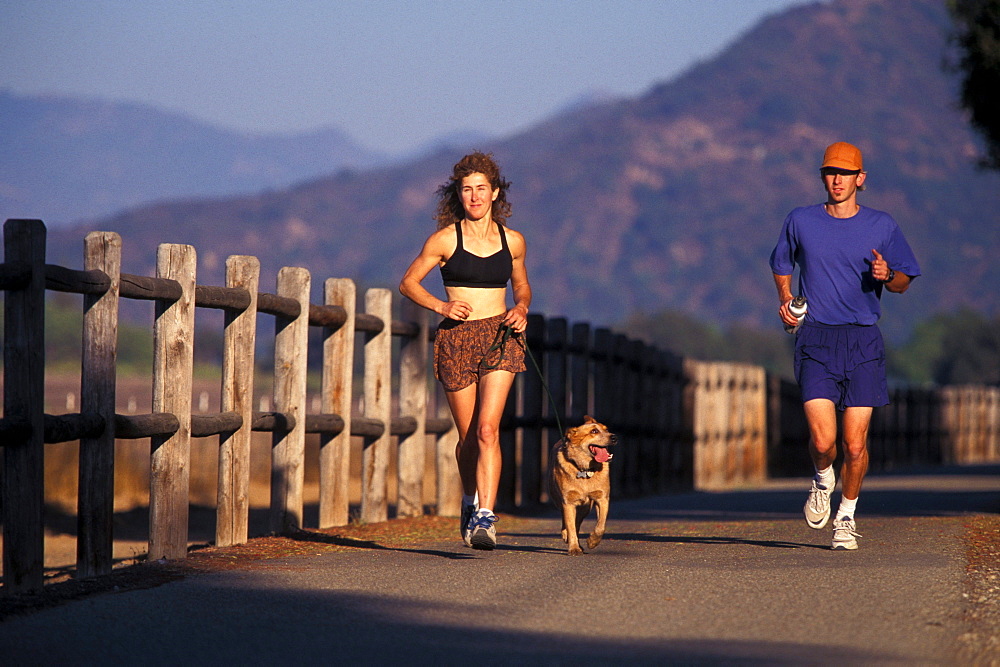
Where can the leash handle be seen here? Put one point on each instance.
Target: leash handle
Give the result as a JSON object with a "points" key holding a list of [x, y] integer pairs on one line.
{"points": [[503, 334]]}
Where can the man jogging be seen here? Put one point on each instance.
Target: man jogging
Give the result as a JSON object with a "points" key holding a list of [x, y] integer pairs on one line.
{"points": [[846, 254]]}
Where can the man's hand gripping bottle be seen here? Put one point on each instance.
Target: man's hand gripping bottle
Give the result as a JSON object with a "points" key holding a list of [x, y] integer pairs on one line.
{"points": [[797, 308]]}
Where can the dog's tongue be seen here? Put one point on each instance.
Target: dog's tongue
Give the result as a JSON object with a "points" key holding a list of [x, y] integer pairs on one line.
{"points": [[601, 454]]}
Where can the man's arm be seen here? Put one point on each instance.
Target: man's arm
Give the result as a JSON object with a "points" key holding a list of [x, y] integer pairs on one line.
{"points": [[894, 281], [784, 285]]}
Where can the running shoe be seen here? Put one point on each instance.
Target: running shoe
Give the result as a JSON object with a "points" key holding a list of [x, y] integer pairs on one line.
{"points": [[844, 534], [817, 507], [484, 535], [466, 526]]}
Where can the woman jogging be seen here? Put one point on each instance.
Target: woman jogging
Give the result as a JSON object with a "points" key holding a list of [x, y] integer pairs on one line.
{"points": [[477, 255]]}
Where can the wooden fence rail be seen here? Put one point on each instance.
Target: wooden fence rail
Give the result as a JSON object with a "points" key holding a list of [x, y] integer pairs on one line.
{"points": [[682, 423]]}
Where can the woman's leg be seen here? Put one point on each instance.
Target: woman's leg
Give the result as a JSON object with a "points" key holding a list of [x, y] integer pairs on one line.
{"points": [[493, 390], [464, 404]]}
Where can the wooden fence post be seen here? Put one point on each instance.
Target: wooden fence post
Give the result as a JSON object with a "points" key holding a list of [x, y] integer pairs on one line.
{"points": [[233, 506], [555, 400], [24, 394], [697, 406], [413, 403], [603, 397], [580, 375], [173, 363], [650, 411], [664, 422], [636, 466], [755, 423], [618, 413], [681, 463], [623, 473], [291, 347], [952, 424], [449, 483], [534, 397], [993, 424], [378, 405], [96, 500], [337, 398]]}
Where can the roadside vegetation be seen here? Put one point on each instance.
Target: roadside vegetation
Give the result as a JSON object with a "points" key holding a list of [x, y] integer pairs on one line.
{"points": [[962, 347]]}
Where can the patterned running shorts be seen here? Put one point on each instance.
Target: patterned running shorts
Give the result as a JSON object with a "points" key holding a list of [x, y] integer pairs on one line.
{"points": [[460, 346]]}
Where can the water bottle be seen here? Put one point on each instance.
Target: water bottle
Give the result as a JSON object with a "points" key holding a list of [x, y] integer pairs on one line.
{"points": [[797, 308]]}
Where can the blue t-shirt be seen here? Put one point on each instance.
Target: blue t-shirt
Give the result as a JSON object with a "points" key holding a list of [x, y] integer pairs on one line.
{"points": [[834, 256]]}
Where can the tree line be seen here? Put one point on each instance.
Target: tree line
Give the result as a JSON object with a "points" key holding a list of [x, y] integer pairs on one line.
{"points": [[961, 347]]}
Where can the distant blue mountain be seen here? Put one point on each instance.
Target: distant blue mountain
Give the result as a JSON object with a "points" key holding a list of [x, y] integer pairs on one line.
{"points": [[67, 159]]}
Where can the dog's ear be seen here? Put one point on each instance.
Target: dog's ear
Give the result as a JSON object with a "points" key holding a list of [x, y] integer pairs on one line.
{"points": [[587, 419], [570, 432]]}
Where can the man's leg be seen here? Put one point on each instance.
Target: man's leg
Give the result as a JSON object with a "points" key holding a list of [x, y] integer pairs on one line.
{"points": [[821, 414], [856, 422]]}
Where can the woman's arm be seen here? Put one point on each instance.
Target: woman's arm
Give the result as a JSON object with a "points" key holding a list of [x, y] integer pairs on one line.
{"points": [[431, 255], [517, 317]]}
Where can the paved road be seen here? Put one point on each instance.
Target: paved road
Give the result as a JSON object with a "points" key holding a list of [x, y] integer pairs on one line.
{"points": [[687, 578]]}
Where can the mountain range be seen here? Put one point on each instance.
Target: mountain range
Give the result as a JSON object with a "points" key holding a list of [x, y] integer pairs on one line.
{"points": [[669, 200], [67, 159]]}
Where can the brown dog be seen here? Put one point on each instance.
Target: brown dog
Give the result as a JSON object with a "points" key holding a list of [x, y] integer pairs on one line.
{"points": [[580, 478]]}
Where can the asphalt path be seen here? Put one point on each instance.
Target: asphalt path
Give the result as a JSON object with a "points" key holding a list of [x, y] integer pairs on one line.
{"points": [[733, 577]]}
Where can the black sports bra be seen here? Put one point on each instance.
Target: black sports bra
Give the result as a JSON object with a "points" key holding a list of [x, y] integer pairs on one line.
{"points": [[463, 269]]}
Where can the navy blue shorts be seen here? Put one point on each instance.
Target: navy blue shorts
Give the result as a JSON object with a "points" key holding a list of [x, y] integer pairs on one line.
{"points": [[844, 363]]}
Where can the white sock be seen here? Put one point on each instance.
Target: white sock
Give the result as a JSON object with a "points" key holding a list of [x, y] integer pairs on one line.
{"points": [[826, 478], [846, 510], [471, 500], [485, 511]]}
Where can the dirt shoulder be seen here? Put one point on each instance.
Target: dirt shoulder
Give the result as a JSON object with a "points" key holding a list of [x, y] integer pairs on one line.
{"points": [[982, 589]]}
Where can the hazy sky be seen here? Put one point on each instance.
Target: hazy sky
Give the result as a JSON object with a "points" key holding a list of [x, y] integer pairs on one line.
{"points": [[392, 74]]}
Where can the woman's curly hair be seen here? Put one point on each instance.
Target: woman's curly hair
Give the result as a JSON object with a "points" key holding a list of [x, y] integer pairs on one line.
{"points": [[450, 210]]}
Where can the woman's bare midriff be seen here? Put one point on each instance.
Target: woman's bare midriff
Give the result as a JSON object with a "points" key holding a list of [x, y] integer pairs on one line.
{"points": [[485, 301]]}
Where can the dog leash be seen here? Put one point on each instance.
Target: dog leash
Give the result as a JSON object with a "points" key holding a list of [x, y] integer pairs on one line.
{"points": [[503, 334]]}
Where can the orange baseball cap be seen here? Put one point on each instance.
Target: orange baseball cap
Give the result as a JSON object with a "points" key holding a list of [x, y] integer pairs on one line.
{"points": [[842, 155]]}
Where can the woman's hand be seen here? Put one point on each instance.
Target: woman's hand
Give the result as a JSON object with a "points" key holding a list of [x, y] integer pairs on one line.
{"points": [[455, 310], [517, 318]]}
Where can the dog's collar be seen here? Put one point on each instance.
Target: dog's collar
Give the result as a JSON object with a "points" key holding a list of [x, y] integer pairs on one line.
{"points": [[585, 473]]}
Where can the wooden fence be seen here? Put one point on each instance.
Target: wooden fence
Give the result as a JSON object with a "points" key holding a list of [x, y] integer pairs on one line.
{"points": [[919, 427], [682, 423]]}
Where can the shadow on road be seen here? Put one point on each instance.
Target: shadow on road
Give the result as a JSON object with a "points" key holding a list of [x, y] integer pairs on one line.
{"points": [[323, 538], [944, 491]]}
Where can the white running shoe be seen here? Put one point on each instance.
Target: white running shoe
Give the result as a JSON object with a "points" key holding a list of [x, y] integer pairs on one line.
{"points": [[817, 507], [844, 534], [484, 535]]}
